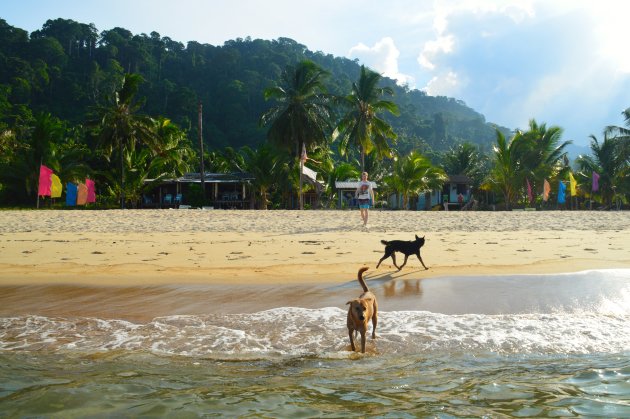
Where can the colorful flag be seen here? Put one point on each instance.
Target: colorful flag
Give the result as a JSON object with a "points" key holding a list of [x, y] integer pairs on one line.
{"points": [[546, 190], [45, 181], [573, 184], [529, 191], [71, 194], [561, 189], [81, 194], [55, 187], [91, 192], [595, 181]]}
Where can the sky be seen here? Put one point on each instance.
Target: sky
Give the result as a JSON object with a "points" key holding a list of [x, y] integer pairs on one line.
{"points": [[561, 62]]}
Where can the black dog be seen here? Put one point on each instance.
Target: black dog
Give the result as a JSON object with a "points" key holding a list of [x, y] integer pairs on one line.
{"points": [[407, 248]]}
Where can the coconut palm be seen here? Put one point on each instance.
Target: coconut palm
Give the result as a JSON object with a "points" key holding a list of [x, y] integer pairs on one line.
{"points": [[265, 166], [121, 126], [361, 127], [466, 159], [504, 175], [171, 150], [413, 174], [608, 161], [542, 153], [302, 116]]}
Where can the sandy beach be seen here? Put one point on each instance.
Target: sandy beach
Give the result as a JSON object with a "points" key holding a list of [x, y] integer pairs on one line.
{"points": [[284, 255]]}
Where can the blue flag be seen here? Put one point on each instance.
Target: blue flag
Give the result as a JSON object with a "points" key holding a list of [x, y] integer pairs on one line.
{"points": [[71, 194], [561, 189]]}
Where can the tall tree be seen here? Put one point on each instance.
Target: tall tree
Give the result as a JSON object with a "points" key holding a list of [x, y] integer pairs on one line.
{"points": [[361, 125], [413, 174], [466, 159], [264, 164], [541, 152], [608, 161], [504, 175], [122, 127], [302, 116]]}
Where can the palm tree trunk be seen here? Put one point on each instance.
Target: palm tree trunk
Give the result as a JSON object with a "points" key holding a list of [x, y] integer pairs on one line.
{"points": [[122, 180]]}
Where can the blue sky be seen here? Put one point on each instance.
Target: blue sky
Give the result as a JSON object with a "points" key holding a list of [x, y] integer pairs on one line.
{"points": [[561, 62]]}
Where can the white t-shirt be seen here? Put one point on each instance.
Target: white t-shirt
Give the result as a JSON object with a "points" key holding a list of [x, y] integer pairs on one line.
{"points": [[364, 191]]}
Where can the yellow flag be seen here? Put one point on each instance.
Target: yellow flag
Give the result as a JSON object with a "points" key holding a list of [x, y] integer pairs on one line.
{"points": [[572, 184], [55, 187]]}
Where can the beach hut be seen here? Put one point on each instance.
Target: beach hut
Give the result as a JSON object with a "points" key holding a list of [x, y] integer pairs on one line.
{"points": [[222, 191]]}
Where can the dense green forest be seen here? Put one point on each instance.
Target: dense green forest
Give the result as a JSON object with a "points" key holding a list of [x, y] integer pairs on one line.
{"points": [[70, 96], [68, 67]]}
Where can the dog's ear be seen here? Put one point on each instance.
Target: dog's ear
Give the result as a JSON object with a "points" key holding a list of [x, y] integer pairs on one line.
{"points": [[417, 238], [349, 302]]}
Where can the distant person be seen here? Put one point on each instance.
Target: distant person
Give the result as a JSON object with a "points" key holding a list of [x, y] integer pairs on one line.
{"points": [[460, 199], [365, 196]]}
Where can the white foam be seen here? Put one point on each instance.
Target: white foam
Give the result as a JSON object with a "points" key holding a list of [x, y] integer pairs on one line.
{"points": [[322, 332]]}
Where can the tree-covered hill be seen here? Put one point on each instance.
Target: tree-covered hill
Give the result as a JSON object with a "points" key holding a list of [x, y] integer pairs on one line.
{"points": [[67, 68]]}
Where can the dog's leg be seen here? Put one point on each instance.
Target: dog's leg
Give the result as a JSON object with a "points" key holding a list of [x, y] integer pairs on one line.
{"points": [[351, 340], [394, 259], [363, 341], [420, 259], [388, 253], [382, 259], [404, 263], [374, 320]]}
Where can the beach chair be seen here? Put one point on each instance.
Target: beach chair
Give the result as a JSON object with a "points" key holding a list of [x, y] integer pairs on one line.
{"points": [[168, 199], [178, 199]]}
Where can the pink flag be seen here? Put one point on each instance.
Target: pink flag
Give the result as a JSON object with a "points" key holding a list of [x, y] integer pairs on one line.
{"points": [[45, 181], [595, 181], [91, 192], [529, 191], [81, 194]]}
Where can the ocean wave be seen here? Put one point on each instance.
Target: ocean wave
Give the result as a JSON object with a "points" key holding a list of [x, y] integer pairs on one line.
{"points": [[322, 333]]}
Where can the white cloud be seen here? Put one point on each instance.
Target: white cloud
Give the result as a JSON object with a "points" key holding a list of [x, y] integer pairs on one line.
{"points": [[447, 84], [382, 57], [432, 49]]}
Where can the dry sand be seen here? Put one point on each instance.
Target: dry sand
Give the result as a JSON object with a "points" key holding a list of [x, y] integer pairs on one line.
{"points": [[141, 264]]}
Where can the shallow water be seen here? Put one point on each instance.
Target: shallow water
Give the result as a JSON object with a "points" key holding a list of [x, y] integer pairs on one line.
{"points": [[563, 351]]}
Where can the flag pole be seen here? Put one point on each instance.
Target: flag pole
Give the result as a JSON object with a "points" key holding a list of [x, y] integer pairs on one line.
{"points": [[41, 161]]}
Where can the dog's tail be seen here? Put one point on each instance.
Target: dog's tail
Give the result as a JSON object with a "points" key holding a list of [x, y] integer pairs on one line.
{"points": [[360, 278], [385, 242]]}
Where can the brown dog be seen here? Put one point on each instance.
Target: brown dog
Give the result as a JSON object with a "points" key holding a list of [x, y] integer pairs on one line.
{"points": [[361, 310]]}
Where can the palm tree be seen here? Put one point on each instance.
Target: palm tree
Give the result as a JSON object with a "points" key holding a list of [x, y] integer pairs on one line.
{"points": [[504, 173], [361, 126], [542, 153], [122, 127], [302, 116], [172, 150], [466, 159], [608, 161], [265, 166], [413, 174], [622, 136]]}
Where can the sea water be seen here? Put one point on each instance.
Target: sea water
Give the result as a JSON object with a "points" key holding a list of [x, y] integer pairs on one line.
{"points": [[549, 357]]}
